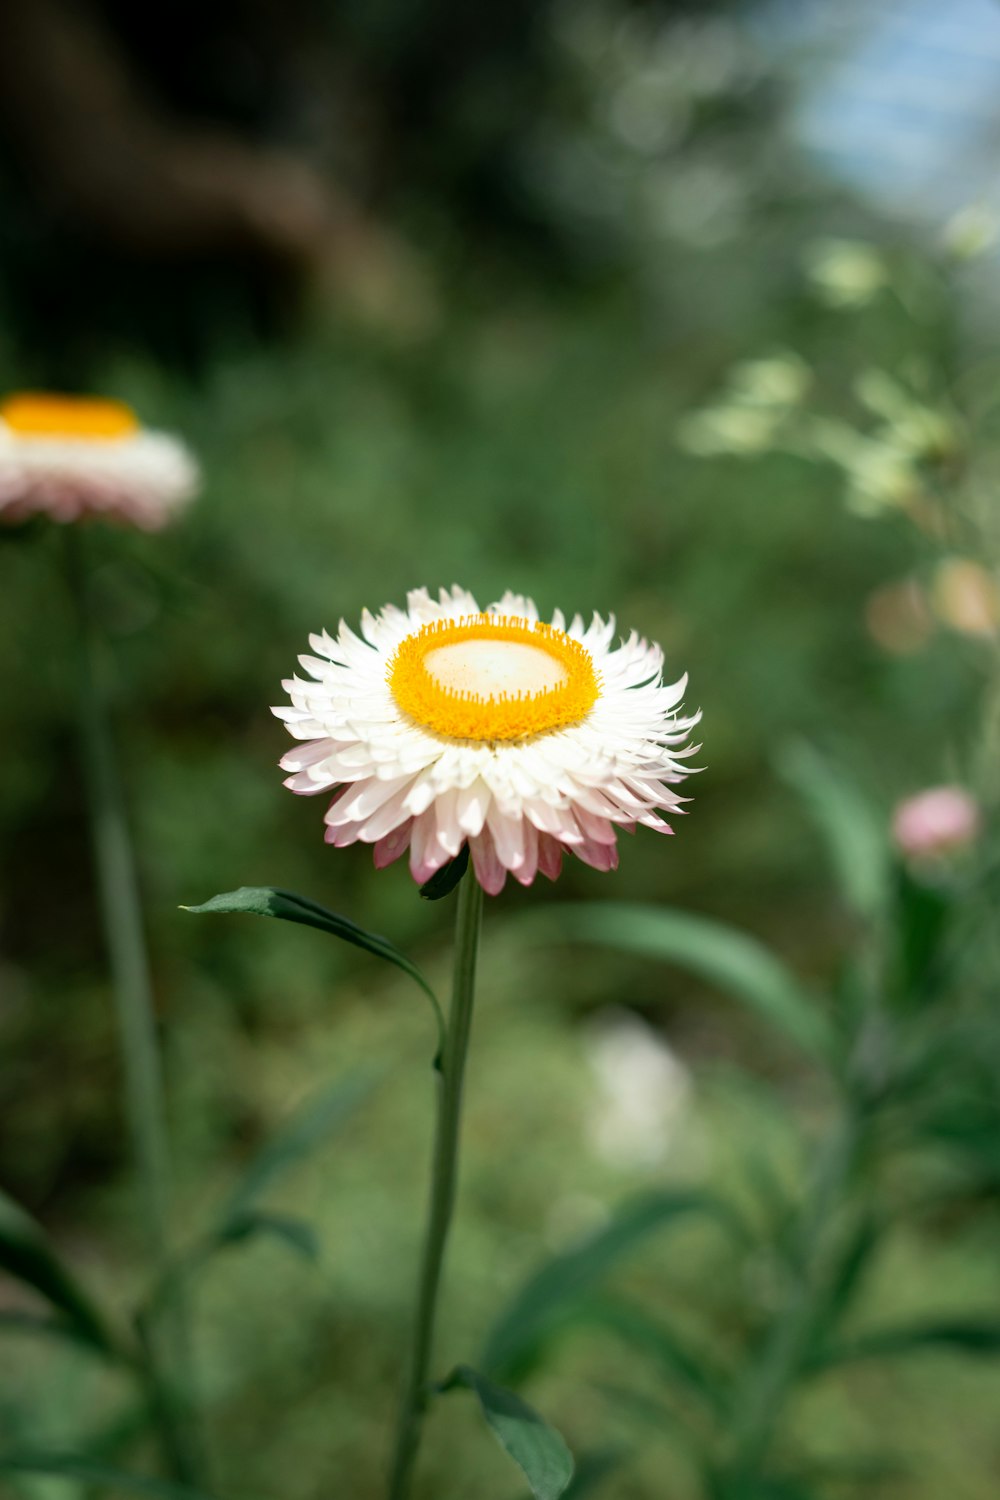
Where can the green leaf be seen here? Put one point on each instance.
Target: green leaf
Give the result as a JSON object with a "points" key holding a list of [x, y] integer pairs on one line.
{"points": [[592, 1469], [854, 834], [300, 1235], [91, 1472], [444, 881], [853, 1263], [671, 1355], [239, 1220], [665, 1421], [268, 901], [36, 1326], [26, 1254], [322, 1114], [963, 1336], [536, 1448], [733, 961], [552, 1296]]}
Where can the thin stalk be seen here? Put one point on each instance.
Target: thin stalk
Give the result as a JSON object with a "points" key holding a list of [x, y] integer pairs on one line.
{"points": [[770, 1380], [121, 917], [445, 1171]]}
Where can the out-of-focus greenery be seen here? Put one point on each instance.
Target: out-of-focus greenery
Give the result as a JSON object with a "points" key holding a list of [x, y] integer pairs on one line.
{"points": [[679, 421]]}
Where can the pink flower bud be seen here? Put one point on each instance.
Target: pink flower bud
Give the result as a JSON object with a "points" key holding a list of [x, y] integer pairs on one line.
{"points": [[935, 822]]}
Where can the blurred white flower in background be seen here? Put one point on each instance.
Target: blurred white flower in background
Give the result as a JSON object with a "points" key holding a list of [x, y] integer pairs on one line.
{"points": [[643, 1092], [845, 273], [73, 457]]}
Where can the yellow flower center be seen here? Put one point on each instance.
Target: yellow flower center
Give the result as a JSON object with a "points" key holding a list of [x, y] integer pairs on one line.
{"points": [[492, 677], [77, 417]]}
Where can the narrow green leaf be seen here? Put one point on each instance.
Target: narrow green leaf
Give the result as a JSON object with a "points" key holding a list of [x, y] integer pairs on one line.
{"points": [[666, 1422], [854, 834], [36, 1326], [853, 1263], [734, 962], [300, 1235], [268, 901], [89, 1471], [551, 1297], [674, 1359], [592, 1469], [25, 1253], [239, 1219], [444, 881], [536, 1448], [322, 1114], [962, 1336]]}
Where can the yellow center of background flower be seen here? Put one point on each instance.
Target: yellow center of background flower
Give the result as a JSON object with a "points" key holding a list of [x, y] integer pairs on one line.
{"points": [[73, 417], [492, 677]]}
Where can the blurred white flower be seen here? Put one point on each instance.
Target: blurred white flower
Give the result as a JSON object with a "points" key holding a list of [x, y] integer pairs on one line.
{"points": [[643, 1091], [71, 457], [729, 429], [845, 273], [972, 231], [936, 822], [443, 725], [775, 380]]}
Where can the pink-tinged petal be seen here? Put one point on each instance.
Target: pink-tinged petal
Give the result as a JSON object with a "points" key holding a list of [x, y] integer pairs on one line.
{"points": [[300, 757], [508, 837], [597, 856], [305, 784], [529, 869], [489, 871], [650, 820], [473, 805], [363, 798], [388, 817], [392, 845], [550, 856], [340, 838], [449, 831], [597, 830], [544, 816], [426, 854]]}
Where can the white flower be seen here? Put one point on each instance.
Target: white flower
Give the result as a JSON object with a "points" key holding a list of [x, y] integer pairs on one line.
{"points": [[643, 1090], [443, 725], [69, 457]]}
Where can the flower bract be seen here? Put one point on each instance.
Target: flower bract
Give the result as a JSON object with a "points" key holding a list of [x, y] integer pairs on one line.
{"points": [[443, 724], [72, 457]]}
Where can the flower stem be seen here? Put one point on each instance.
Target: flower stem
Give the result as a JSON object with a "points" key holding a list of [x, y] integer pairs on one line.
{"points": [[442, 1196], [133, 991]]}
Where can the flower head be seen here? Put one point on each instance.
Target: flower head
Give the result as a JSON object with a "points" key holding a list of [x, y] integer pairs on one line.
{"points": [[443, 725], [68, 457], [935, 822]]}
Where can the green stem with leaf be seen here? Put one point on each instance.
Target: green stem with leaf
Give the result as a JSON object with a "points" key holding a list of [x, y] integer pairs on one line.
{"points": [[131, 980], [450, 1080]]}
